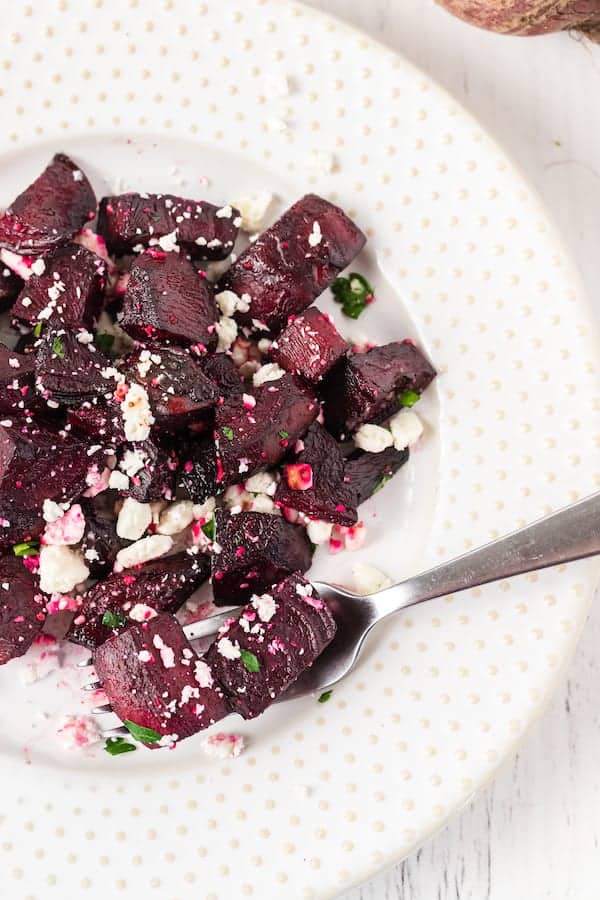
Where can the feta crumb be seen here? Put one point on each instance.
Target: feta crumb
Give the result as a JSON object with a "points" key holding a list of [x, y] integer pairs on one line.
{"points": [[262, 483], [168, 242], [265, 606], [118, 481], [226, 212], [61, 569], [230, 303], [227, 331], [253, 209], [75, 732], [202, 674], [167, 654], [68, 529], [52, 511], [223, 746], [132, 462], [264, 504], [134, 519], [368, 579], [148, 548], [137, 415], [319, 532], [373, 438], [77, 175], [228, 649], [176, 517], [268, 372], [315, 237], [141, 613], [406, 428], [38, 267]]}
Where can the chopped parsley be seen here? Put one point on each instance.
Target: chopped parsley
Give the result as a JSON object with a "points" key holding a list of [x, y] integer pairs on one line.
{"points": [[325, 696], [283, 434], [104, 341], [408, 398], [209, 528], [228, 432], [250, 661], [354, 293], [38, 329], [382, 482], [141, 733], [115, 746], [114, 620], [57, 347], [27, 548]]}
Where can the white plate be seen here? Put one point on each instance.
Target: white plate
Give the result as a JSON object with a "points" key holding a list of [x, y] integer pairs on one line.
{"points": [[463, 260]]}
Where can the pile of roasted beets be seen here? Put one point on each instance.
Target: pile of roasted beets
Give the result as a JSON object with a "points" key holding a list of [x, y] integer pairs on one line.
{"points": [[140, 405]]}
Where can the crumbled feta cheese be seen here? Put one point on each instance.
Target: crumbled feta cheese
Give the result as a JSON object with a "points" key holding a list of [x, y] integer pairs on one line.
{"points": [[226, 212], [227, 331], [75, 732], [85, 337], [118, 481], [204, 511], [61, 569], [315, 237], [373, 438], [168, 242], [38, 267], [132, 462], [319, 532], [368, 579], [145, 656], [264, 504], [134, 519], [268, 372], [406, 428], [52, 511], [77, 175], [202, 674], [68, 529], [228, 649], [150, 547], [137, 415], [229, 302], [253, 209], [141, 613], [265, 606], [176, 517], [167, 654], [223, 746], [237, 499]]}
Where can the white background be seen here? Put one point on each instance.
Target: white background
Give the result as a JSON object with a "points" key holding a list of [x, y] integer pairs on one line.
{"points": [[535, 833]]}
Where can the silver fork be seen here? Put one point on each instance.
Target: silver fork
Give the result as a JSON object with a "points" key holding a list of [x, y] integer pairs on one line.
{"points": [[571, 533]]}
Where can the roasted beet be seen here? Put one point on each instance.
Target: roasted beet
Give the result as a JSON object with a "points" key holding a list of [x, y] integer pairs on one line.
{"points": [[153, 678], [21, 608], [309, 346], [221, 369], [70, 289], [98, 420], [251, 437], [366, 473], [278, 636], [363, 385], [197, 472], [100, 543], [37, 464], [136, 595], [255, 551], [155, 477], [16, 382], [293, 261], [327, 496], [50, 211], [69, 372], [178, 390], [10, 285], [132, 221], [167, 299]]}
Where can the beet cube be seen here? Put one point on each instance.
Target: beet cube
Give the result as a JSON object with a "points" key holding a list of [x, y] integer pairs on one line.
{"points": [[197, 473], [161, 585], [362, 385], [21, 608], [16, 382], [293, 261], [155, 479], [309, 346], [167, 299], [10, 285], [102, 421], [255, 551], [277, 637], [367, 473], [221, 370], [254, 437], [69, 372], [152, 677], [100, 543], [132, 221], [329, 497], [50, 211], [70, 289]]}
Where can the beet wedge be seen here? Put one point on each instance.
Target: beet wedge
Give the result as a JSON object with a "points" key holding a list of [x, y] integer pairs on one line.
{"points": [[130, 222], [68, 372], [368, 473], [293, 261], [314, 483], [254, 551], [364, 386], [153, 678], [100, 543], [70, 289], [99, 420], [197, 472], [168, 300], [309, 346], [21, 608], [278, 635], [222, 371], [50, 211], [17, 378], [250, 437], [134, 596]]}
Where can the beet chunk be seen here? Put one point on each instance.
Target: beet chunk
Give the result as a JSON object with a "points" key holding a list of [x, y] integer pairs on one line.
{"points": [[278, 636], [38, 464], [167, 299], [161, 585], [178, 390], [155, 479], [366, 473], [310, 345], [221, 370], [293, 261], [132, 220], [364, 384], [100, 543], [69, 372], [10, 285], [329, 498], [16, 382], [197, 473], [152, 677], [256, 551], [100, 421], [21, 608], [254, 437], [50, 211], [70, 289]]}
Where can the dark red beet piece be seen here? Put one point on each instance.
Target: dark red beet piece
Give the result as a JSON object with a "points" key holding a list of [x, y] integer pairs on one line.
{"points": [[69, 372], [284, 632], [21, 608], [178, 390], [364, 384], [70, 289], [132, 220], [366, 473], [197, 473], [251, 438], [152, 677], [50, 211], [100, 543], [100, 421], [161, 585], [167, 300], [221, 369], [155, 480], [293, 261], [309, 346], [10, 285], [256, 551], [38, 464], [16, 382], [330, 498]]}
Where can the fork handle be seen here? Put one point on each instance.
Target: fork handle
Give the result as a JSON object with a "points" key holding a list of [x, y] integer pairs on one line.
{"points": [[569, 534]]}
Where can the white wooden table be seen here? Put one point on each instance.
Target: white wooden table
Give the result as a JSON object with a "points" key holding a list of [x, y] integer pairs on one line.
{"points": [[535, 833]]}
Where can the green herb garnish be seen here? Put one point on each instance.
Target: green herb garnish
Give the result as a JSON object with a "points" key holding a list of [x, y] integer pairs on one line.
{"points": [[38, 329], [250, 661], [116, 746], [27, 548], [382, 482], [354, 293], [113, 620], [228, 432], [408, 398], [57, 347], [141, 733], [283, 434], [325, 696], [209, 529], [104, 341]]}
